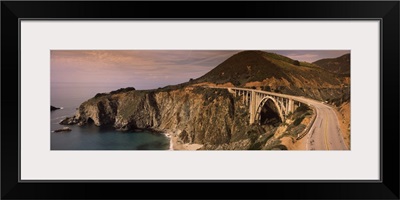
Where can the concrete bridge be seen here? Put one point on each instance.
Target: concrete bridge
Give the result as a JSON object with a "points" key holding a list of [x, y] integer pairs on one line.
{"points": [[323, 132], [256, 99]]}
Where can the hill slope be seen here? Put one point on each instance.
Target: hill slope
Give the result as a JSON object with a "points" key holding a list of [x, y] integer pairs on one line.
{"points": [[276, 73], [340, 65]]}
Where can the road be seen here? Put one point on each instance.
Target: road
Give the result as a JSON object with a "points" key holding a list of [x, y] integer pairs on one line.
{"points": [[325, 133]]}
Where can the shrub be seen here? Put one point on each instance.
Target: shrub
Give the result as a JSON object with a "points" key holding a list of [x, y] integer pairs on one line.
{"points": [[100, 95], [267, 88], [298, 120], [122, 90], [302, 108]]}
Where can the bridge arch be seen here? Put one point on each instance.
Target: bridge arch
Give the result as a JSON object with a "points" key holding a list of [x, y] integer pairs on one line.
{"points": [[282, 108], [278, 106]]}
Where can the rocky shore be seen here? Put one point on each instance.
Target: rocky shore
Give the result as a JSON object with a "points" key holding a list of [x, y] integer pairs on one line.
{"points": [[64, 129], [53, 108]]}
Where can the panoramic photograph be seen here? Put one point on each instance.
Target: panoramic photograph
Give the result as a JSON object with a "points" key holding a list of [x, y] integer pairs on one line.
{"points": [[200, 100]]}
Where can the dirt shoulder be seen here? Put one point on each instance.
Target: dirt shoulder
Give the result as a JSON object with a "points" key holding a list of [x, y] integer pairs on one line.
{"points": [[343, 114]]}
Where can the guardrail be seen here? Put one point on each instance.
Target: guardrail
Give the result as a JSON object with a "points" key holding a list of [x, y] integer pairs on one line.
{"points": [[308, 127]]}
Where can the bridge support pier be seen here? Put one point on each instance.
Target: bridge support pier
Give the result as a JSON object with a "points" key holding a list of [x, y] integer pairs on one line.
{"points": [[253, 108], [290, 106]]}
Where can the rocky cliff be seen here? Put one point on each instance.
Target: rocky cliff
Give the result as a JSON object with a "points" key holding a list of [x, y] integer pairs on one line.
{"points": [[199, 115]]}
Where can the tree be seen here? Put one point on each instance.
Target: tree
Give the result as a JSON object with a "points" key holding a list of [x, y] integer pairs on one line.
{"points": [[267, 88]]}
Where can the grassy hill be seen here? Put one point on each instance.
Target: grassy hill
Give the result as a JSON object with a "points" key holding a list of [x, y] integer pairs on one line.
{"points": [[252, 66], [340, 65]]}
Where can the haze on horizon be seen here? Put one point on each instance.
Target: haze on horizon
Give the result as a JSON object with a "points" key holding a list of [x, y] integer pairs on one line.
{"points": [[150, 69]]}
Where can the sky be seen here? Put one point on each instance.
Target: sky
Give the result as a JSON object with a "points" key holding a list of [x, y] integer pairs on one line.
{"points": [[149, 69]]}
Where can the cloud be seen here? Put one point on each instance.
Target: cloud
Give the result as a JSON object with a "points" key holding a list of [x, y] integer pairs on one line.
{"points": [[303, 57], [310, 55]]}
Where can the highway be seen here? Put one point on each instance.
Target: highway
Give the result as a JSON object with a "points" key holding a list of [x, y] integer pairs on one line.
{"points": [[325, 133]]}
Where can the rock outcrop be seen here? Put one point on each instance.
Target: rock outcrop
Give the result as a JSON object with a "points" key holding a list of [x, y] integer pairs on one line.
{"points": [[69, 121], [64, 129], [53, 108]]}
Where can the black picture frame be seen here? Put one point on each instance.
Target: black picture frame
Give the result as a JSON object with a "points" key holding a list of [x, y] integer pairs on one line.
{"points": [[386, 11]]}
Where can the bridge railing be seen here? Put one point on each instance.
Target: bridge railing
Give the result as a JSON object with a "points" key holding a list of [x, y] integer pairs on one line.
{"points": [[308, 127], [273, 94]]}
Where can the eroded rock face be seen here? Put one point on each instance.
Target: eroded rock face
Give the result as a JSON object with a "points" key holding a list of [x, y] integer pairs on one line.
{"points": [[200, 115]]}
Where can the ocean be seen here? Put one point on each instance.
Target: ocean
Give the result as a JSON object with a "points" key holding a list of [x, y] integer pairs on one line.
{"points": [[69, 96]]}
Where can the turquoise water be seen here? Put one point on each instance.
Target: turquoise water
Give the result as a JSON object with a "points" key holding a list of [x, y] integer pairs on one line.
{"points": [[90, 137]]}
